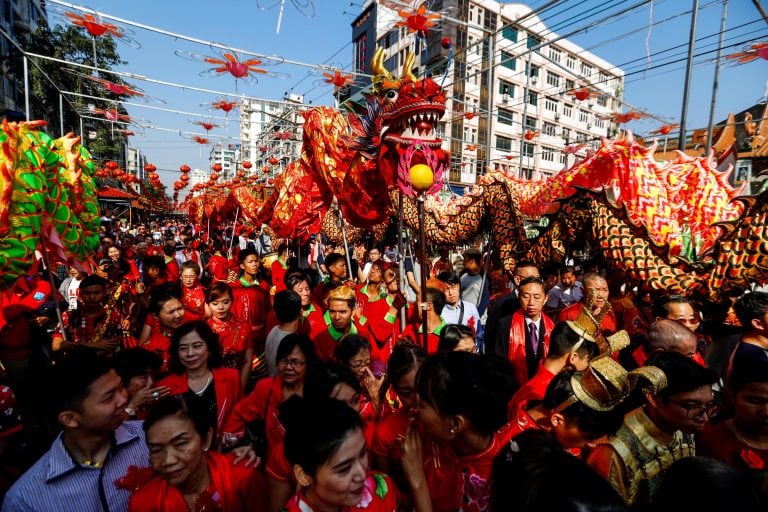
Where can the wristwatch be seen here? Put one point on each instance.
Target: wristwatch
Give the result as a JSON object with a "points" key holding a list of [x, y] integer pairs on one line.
{"points": [[130, 412]]}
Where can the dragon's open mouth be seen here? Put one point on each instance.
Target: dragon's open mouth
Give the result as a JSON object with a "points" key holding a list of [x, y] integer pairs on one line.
{"points": [[420, 126]]}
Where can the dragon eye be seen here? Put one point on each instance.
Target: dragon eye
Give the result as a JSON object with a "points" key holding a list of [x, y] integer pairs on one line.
{"points": [[391, 96]]}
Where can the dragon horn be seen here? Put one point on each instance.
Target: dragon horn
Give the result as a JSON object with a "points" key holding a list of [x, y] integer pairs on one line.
{"points": [[377, 66], [408, 75]]}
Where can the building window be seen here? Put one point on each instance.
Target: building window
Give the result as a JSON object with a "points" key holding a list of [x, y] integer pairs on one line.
{"points": [[533, 98], [562, 158], [551, 104], [549, 129], [533, 41], [583, 116], [553, 79], [555, 54], [599, 123], [603, 77], [567, 110], [528, 149], [548, 154], [569, 85], [506, 88], [570, 61], [586, 69], [508, 61], [534, 70], [566, 135], [602, 100], [505, 117], [503, 143], [509, 33], [529, 123]]}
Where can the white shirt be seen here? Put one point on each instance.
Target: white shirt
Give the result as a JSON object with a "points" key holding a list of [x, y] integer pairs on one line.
{"points": [[451, 314]]}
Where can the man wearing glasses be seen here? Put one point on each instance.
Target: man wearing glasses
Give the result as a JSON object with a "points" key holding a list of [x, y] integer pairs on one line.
{"points": [[660, 432]]}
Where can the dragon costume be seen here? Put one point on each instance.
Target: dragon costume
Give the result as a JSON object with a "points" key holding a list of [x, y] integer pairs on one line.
{"points": [[47, 196]]}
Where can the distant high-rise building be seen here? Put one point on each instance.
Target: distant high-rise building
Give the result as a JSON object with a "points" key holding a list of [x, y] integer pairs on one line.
{"points": [[19, 19]]}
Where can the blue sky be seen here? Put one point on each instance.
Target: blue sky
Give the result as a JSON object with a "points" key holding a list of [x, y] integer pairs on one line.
{"points": [[325, 39]]}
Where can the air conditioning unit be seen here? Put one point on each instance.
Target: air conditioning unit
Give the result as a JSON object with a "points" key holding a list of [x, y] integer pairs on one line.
{"points": [[505, 98], [557, 117], [534, 80]]}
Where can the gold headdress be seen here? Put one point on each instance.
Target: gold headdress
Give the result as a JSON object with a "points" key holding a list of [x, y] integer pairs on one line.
{"points": [[384, 79], [587, 326]]}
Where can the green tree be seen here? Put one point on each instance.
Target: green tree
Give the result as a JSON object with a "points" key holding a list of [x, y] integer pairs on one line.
{"points": [[72, 44]]}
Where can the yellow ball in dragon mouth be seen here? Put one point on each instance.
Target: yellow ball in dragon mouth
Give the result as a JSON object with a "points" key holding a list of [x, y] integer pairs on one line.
{"points": [[422, 177]]}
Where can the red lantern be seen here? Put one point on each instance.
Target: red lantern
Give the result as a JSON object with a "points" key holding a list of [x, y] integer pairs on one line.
{"points": [[216, 167], [264, 149], [184, 177], [247, 165], [101, 173], [119, 173], [214, 176], [150, 167], [240, 174], [273, 161], [265, 169], [185, 169], [445, 42], [111, 165], [153, 176]]}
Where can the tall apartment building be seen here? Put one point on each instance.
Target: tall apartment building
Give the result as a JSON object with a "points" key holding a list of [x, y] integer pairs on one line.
{"points": [[270, 131], [19, 19], [227, 155], [492, 102], [198, 176]]}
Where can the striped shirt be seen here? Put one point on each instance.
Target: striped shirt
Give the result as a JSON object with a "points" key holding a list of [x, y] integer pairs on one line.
{"points": [[56, 482]]}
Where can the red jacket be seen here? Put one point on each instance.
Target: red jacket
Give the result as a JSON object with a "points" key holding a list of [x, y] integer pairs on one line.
{"points": [[227, 385], [572, 312], [233, 487], [326, 340]]}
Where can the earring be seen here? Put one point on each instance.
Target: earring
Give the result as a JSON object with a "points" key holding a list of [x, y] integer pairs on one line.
{"points": [[452, 431]]}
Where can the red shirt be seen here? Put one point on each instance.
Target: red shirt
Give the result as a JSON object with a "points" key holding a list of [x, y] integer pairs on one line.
{"points": [[389, 432], [193, 300], [413, 331], [278, 275], [533, 390], [235, 337], [16, 306], [380, 495], [326, 340], [572, 312], [233, 487], [721, 442], [251, 304], [217, 267], [172, 272], [260, 404], [459, 482]]}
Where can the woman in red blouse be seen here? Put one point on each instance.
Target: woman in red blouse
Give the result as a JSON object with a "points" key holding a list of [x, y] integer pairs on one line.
{"points": [[329, 458], [185, 475], [192, 292], [404, 363], [196, 373], [235, 336], [217, 264], [463, 415], [167, 314], [354, 352]]}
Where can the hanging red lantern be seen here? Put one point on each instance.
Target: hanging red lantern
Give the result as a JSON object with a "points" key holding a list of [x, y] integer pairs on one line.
{"points": [[101, 173], [150, 167], [118, 173], [185, 169], [214, 176], [216, 167], [273, 161], [264, 149], [241, 174], [265, 169], [247, 165], [111, 165], [184, 177]]}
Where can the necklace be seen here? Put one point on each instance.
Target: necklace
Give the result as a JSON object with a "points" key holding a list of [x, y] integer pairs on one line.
{"points": [[205, 386]]}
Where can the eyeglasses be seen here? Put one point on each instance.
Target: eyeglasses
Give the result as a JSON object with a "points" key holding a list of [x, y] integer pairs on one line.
{"points": [[472, 350], [698, 410], [293, 363], [356, 365]]}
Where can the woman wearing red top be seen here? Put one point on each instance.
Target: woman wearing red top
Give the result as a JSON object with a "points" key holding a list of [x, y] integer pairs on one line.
{"points": [[167, 310], [235, 336], [116, 255], [197, 374], [251, 296], [384, 315], [354, 352], [192, 292], [218, 264], [330, 460], [403, 364], [186, 476], [280, 267], [463, 414], [332, 381]]}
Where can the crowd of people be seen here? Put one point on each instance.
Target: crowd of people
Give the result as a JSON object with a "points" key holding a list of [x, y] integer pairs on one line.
{"points": [[211, 371]]}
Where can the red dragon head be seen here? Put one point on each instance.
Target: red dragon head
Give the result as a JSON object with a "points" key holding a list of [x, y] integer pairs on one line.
{"points": [[411, 110]]}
